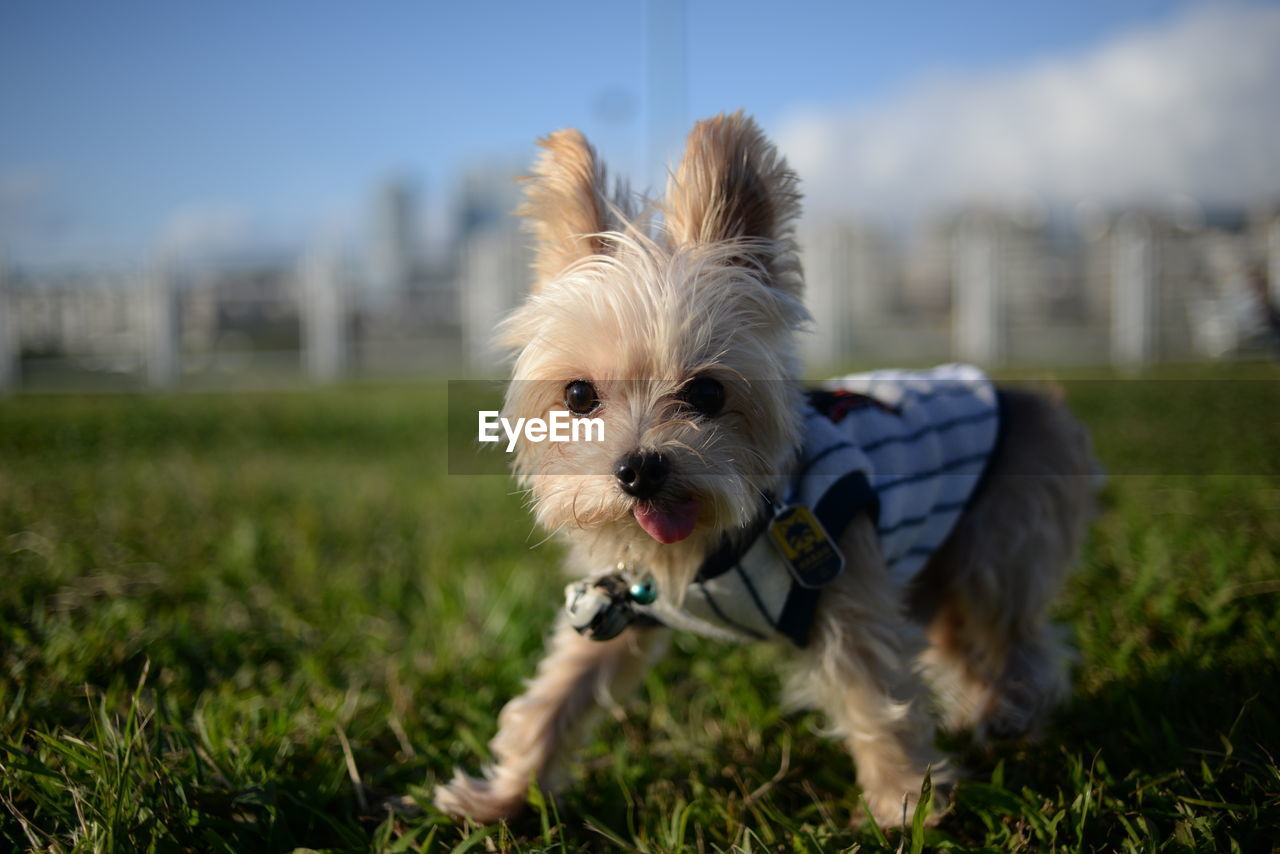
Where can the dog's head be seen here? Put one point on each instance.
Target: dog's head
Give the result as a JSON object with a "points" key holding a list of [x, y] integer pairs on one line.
{"points": [[677, 335]]}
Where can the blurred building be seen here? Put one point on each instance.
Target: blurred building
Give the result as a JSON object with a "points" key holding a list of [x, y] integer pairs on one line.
{"points": [[90, 318], [1129, 288], [493, 262], [998, 286], [849, 288], [393, 256]]}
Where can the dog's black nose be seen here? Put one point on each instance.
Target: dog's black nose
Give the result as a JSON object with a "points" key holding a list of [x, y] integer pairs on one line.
{"points": [[642, 473]]}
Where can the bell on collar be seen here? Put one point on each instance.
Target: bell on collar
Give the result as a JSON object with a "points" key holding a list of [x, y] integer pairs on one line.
{"points": [[644, 591]]}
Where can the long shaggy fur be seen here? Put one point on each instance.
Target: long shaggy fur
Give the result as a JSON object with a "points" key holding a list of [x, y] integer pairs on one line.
{"points": [[639, 312]]}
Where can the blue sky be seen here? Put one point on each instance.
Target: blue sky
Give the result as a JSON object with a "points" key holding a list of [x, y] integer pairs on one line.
{"points": [[274, 120]]}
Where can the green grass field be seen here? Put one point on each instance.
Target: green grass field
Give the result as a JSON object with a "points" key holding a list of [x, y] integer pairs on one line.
{"points": [[219, 612]]}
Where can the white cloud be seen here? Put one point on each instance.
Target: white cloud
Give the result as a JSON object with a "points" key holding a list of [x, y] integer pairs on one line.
{"points": [[212, 232], [215, 232], [1189, 108], [206, 230]]}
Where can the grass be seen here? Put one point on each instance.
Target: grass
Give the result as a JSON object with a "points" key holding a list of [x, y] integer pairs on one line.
{"points": [[220, 612]]}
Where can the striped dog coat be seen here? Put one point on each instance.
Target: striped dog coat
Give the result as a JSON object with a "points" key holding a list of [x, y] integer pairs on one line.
{"points": [[907, 447]]}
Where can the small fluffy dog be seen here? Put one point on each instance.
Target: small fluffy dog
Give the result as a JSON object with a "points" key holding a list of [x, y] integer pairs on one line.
{"points": [[676, 326]]}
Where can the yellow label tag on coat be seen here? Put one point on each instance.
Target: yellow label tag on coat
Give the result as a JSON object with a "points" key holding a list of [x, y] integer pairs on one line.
{"points": [[809, 552]]}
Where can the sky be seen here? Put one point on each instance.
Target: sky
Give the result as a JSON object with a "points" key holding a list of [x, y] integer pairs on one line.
{"points": [[135, 128]]}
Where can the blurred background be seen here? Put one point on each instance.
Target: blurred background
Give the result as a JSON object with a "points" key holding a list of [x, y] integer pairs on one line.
{"points": [[247, 194]]}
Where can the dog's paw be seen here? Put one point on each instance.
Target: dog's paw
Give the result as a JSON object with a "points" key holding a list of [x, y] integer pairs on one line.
{"points": [[402, 805], [1020, 708], [891, 811], [481, 799], [893, 807]]}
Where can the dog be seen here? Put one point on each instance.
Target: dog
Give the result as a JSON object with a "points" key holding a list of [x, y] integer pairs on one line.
{"points": [[676, 324]]}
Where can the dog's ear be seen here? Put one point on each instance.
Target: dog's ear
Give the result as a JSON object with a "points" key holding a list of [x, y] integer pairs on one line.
{"points": [[733, 186], [565, 205]]}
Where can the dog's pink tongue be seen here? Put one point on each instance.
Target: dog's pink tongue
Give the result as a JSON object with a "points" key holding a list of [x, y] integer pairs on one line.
{"points": [[670, 525]]}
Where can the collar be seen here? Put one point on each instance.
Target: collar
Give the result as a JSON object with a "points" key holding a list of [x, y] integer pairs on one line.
{"points": [[734, 544], [850, 495]]}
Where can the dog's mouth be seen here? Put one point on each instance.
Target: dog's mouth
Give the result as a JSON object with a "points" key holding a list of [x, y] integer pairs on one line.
{"points": [[668, 524]]}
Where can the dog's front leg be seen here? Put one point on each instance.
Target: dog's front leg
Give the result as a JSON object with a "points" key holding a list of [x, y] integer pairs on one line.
{"points": [[539, 729], [861, 671]]}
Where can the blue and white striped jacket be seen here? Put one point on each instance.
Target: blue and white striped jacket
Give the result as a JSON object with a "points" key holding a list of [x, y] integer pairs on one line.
{"points": [[908, 446]]}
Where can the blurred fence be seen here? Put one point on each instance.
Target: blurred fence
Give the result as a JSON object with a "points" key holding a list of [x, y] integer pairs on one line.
{"points": [[986, 287], [995, 288]]}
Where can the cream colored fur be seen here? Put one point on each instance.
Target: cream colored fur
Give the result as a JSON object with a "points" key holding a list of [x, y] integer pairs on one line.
{"points": [[638, 311]]}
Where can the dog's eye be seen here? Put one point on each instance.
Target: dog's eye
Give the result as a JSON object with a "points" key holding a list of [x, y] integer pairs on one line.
{"points": [[581, 398], [703, 395]]}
